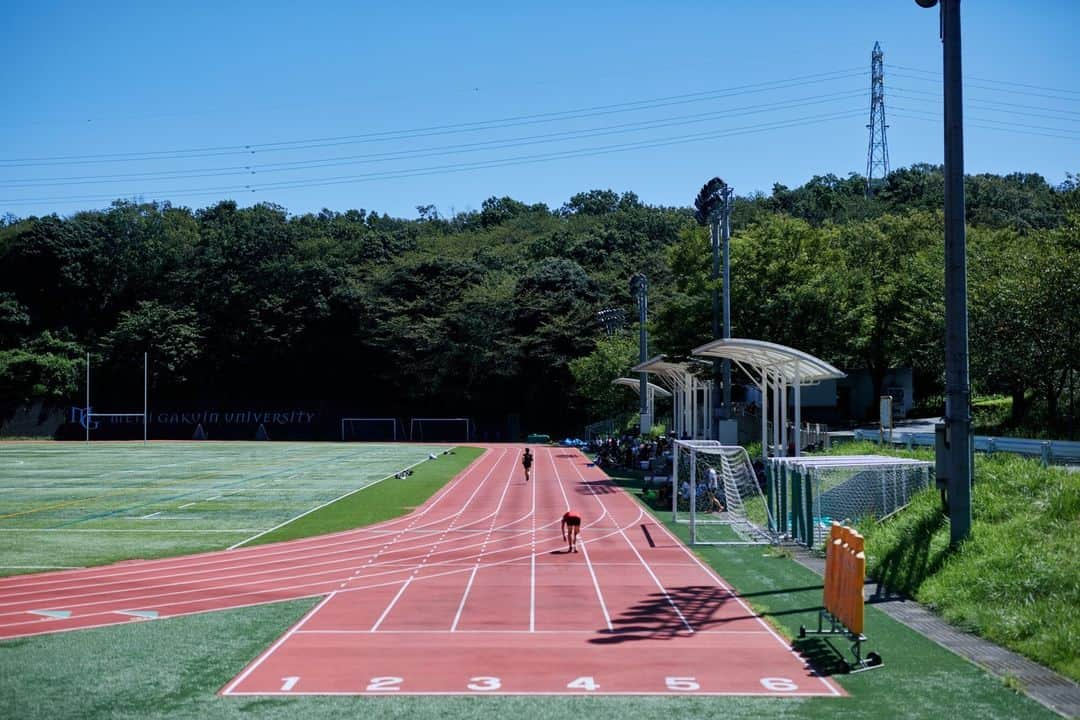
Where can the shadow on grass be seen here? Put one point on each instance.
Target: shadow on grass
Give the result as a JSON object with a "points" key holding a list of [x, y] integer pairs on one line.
{"points": [[905, 567], [822, 655]]}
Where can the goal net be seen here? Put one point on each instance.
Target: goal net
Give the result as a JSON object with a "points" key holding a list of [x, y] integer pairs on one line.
{"points": [[715, 489], [452, 429], [368, 429], [811, 492]]}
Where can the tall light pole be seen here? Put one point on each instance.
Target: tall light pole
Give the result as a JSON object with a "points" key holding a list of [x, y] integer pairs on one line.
{"points": [[713, 205], [639, 285], [957, 460]]}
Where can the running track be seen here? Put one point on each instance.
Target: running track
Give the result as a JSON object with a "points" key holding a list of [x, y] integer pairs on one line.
{"points": [[470, 594]]}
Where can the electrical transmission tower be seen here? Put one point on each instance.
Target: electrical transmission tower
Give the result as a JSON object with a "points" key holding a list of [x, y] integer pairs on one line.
{"points": [[877, 155]]}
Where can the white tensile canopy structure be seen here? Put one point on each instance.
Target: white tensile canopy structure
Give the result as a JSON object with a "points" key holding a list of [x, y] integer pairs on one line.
{"points": [[691, 395], [776, 368], [652, 390]]}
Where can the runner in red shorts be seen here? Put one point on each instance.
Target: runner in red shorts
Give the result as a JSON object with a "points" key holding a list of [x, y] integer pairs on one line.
{"points": [[571, 526]]}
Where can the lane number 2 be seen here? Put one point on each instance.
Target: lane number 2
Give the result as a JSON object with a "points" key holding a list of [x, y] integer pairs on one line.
{"points": [[385, 684]]}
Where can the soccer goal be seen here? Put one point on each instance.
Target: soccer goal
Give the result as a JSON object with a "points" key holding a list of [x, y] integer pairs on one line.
{"points": [[450, 429], [369, 429], [808, 493], [92, 419], [716, 490]]}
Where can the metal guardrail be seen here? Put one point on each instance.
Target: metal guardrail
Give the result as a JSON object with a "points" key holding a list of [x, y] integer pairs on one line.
{"points": [[1051, 452]]}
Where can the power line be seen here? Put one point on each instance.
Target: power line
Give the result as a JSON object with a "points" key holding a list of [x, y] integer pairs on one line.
{"points": [[462, 167], [419, 153], [480, 125], [994, 81]]}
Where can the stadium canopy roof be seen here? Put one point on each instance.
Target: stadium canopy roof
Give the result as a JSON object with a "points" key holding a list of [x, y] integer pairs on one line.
{"points": [[691, 399], [793, 367], [635, 385], [776, 368]]}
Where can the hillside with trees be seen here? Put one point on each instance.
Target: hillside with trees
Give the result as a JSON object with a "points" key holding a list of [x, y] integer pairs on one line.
{"points": [[492, 313]]}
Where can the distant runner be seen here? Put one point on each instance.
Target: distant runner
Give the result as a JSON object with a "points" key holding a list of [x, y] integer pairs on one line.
{"points": [[571, 526], [526, 461]]}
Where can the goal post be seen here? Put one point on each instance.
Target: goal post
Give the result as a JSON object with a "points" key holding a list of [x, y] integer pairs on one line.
{"points": [[370, 429], [716, 487], [89, 417], [444, 429]]}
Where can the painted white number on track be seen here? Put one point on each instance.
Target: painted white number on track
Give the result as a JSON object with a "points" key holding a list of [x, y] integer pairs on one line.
{"points": [[583, 683], [385, 684], [684, 684], [288, 683], [484, 683], [779, 684]]}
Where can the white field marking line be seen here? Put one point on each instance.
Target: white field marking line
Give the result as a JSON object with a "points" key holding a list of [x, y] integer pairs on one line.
{"points": [[66, 600], [260, 591], [521, 632], [393, 602], [326, 565], [68, 597], [187, 505], [41, 567], [371, 560], [480, 555], [147, 517], [349, 541], [320, 507], [532, 558], [204, 531], [281, 641], [554, 693], [644, 563], [585, 551], [720, 582]]}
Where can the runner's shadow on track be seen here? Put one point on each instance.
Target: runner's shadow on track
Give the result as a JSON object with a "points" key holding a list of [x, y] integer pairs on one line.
{"points": [[597, 487], [703, 607]]}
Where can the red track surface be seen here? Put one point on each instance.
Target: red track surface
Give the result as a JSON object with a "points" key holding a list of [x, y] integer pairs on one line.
{"points": [[470, 594]]}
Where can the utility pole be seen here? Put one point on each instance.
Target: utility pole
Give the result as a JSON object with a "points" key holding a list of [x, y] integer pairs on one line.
{"points": [[713, 205], [639, 285], [877, 154], [957, 460]]}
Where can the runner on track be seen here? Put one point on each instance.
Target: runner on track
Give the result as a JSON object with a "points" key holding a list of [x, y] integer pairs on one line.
{"points": [[526, 461], [571, 525]]}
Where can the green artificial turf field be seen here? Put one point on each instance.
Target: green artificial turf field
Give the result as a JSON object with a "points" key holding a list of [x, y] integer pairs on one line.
{"points": [[73, 505]]}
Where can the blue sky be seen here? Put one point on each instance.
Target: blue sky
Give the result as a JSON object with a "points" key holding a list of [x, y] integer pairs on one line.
{"points": [[386, 106]]}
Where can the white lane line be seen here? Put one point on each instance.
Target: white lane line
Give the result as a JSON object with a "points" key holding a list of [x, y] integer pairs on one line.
{"points": [[352, 541], [532, 558], [281, 641], [464, 597], [320, 507], [309, 589], [187, 505], [393, 602], [721, 583], [145, 517], [585, 551]]}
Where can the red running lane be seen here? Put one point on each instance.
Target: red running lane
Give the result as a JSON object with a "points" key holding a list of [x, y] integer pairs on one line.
{"points": [[470, 594], [490, 603]]}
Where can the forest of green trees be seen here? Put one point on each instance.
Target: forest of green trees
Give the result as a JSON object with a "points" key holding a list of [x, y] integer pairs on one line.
{"points": [[492, 313]]}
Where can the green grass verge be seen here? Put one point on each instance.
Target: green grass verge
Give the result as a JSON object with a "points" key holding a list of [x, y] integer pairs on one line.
{"points": [[384, 500], [1016, 580]]}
